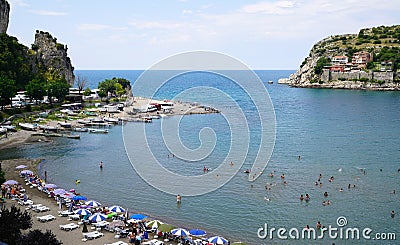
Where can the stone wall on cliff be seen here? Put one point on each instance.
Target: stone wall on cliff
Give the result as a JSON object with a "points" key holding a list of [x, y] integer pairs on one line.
{"points": [[52, 56], [4, 15]]}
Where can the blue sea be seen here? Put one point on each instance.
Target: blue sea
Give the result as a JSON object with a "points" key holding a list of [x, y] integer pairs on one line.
{"points": [[351, 135]]}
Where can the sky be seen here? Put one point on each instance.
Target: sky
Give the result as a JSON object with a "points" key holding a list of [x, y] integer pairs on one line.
{"points": [[135, 34]]}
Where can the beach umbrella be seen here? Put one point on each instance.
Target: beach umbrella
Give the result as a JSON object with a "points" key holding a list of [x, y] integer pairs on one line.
{"points": [[21, 166], [217, 240], [117, 209], [79, 198], [50, 186], [59, 191], [197, 232], [82, 211], [138, 216], [93, 203], [180, 232], [165, 227], [154, 224], [26, 172], [67, 195], [10, 182], [97, 217]]}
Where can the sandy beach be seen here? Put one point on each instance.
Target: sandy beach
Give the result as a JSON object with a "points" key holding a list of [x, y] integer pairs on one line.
{"points": [[67, 237]]}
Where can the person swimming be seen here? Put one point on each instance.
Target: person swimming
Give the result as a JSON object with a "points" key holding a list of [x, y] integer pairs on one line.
{"points": [[301, 197], [326, 194]]}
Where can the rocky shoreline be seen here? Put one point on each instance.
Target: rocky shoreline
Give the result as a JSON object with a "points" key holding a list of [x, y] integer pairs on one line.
{"points": [[354, 85]]}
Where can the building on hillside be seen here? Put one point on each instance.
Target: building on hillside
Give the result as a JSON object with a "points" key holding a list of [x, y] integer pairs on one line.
{"points": [[340, 59], [360, 59], [337, 68]]}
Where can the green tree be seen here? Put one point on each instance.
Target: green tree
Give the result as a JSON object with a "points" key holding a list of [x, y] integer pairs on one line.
{"points": [[119, 90], [108, 86], [87, 92], [323, 61], [7, 90], [102, 94], [37, 237], [126, 84], [370, 65], [12, 221], [36, 89], [58, 88]]}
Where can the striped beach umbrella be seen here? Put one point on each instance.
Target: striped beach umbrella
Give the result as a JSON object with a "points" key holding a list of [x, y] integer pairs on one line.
{"points": [[217, 240], [93, 203], [180, 232], [117, 209], [82, 212], [97, 217], [154, 224]]}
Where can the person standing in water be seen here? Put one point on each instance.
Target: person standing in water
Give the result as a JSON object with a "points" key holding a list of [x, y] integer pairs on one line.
{"points": [[101, 165], [178, 199]]}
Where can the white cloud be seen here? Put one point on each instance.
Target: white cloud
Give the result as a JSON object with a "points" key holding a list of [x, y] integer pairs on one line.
{"points": [[278, 7], [187, 12], [20, 3], [93, 27], [156, 24], [47, 13]]}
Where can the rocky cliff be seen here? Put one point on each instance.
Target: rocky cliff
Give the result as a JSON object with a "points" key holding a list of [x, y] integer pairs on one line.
{"points": [[374, 40], [4, 15], [52, 57]]}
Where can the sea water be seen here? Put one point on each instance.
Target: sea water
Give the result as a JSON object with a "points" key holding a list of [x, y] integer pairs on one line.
{"points": [[350, 135]]}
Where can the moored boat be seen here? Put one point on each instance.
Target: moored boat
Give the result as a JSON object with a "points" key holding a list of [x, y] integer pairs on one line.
{"points": [[28, 126], [65, 124], [98, 131], [81, 129]]}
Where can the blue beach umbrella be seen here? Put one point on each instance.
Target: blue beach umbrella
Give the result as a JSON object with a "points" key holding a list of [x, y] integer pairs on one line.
{"points": [[138, 216], [217, 240], [117, 209], [97, 217], [180, 232], [79, 198], [82, 212], [197, 232]]}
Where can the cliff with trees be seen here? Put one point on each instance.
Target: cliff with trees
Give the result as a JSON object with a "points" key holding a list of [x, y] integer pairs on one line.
{"points": [[367, 60], [46, 64]]}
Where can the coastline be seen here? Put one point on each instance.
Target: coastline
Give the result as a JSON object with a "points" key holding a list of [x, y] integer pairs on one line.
{"points": [[21, 137]]}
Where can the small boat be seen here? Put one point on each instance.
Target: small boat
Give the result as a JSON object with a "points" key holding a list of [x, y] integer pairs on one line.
{"points": [[81, 129], [155, 117], [82, 121], [247, 171], [9, 128], [111, 120], [270, 82], [73, 136], [50, 134], [97, 120], [28, 126], [48, 127], [65, 124], [98, 131]]}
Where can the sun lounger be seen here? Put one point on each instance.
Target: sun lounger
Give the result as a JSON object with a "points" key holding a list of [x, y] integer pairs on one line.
{"points": [[93, 235], [101, 224], [42, 209], [25, 203], [117, 243], [74, 216], [69, 227], [65, 213], [46, 218]]}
